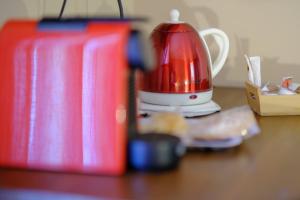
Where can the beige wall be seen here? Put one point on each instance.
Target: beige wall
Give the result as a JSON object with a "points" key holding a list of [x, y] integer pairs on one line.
{"points": [[269, 28]]}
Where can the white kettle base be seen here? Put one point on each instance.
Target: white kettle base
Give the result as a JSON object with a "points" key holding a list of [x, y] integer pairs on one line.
{"points": [[170, 99], [187, 111]]}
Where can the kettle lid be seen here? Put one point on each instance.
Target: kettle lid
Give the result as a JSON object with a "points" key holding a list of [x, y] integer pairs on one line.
{"points": [[174, 16], [174, 25]]}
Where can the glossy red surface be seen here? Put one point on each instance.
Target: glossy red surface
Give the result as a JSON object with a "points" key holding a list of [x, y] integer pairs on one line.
{"points": [[63, 97], [182, 62]]}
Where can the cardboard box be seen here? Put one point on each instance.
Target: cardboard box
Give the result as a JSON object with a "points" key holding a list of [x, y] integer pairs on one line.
{"points": [[271, 105]]}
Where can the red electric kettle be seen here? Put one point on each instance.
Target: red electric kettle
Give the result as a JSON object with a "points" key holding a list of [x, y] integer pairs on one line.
{"points": [[184, 70]]}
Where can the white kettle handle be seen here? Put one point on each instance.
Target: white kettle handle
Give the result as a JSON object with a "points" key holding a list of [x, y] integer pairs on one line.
{"points": [[223, 44]]}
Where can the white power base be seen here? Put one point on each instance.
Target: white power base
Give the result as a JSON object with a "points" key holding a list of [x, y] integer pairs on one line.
{"points": [[186, 111], [168, 99]]}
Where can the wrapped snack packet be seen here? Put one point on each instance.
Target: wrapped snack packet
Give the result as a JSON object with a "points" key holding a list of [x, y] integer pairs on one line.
{"points": [[255, 65], [270, 89], [295, 87], [249, 69], [285, 86], [223, 130], [235, 122], [165, 122], [254, 71]]}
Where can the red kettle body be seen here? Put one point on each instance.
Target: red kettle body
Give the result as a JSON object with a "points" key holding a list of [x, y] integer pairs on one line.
{"points": [[184, 71], [183, 61]]}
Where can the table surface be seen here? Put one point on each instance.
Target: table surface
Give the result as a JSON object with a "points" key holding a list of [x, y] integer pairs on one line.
{"points": [[264, 167]]}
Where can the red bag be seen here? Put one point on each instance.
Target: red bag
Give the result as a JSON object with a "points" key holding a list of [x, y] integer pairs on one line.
{"points": [[63, 96]]}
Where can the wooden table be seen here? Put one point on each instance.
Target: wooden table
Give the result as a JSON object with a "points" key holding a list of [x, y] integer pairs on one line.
{"points": [[264, 167]]}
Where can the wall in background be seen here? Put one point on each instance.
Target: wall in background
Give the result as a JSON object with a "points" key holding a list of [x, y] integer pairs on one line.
{"points": [[39, 8], [269, 28]]}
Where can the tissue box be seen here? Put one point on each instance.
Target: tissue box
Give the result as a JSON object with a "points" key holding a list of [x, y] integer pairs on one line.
{"points": [[267, 105]]}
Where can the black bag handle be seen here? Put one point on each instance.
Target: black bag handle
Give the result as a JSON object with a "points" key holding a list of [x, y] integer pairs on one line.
{"points": [[65, 2]]}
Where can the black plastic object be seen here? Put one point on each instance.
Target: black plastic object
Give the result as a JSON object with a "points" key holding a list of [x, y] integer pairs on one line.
{"points": [[151, 151], [154, 152], [140, 52], [80, 23], [135, 53]]}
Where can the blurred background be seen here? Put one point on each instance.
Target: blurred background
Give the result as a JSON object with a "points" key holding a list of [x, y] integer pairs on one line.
{"points": [[268, 28]]}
